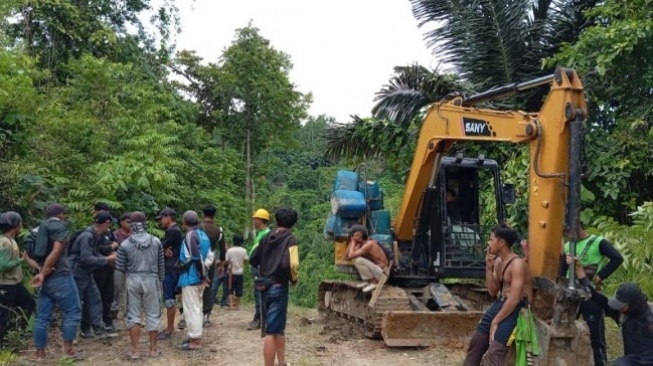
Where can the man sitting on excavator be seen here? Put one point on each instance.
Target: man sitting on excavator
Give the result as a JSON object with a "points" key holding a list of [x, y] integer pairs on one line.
{"points": [[508, 277], [369, 258]]}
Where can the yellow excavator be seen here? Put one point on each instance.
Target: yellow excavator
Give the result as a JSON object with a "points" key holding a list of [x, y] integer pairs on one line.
{"points": [[434, 294]]}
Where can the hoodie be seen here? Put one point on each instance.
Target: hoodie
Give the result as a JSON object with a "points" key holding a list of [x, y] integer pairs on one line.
{"points": [[141, 255], [277, 257]]}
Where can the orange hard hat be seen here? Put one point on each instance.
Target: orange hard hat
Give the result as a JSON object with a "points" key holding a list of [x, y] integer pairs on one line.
{"points": [[261, 214]]}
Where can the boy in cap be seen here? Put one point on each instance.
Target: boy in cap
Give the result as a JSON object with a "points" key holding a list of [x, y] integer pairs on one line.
{"points": [[141, 258], [630, 309], [57, 286]]}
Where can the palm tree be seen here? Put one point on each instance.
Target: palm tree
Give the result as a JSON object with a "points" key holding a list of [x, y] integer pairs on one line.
{"points": [[397, 114], [488, 43], [495, 42]]}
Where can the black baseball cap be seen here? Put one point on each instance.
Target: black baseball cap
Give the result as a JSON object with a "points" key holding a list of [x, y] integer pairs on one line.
{"points": [[104, 217], [101, 206], [166, 212], [626, 294]]}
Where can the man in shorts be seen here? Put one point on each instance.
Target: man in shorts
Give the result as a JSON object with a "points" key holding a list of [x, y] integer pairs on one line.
{"points": [[277, 259]]}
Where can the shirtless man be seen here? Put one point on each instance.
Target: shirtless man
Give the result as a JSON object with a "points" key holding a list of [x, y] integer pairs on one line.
{"points": [[508, 277], [370, 260]]}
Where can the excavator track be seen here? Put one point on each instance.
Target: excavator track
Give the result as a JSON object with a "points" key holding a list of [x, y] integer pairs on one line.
{"points": [[342, 297], [397, 316]]}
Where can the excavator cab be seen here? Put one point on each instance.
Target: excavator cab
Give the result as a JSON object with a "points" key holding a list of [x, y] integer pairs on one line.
{"points": [[457, 215]]}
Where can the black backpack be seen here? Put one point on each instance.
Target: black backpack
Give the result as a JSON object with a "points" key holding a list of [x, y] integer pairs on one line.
{"points": [[388, 253]]}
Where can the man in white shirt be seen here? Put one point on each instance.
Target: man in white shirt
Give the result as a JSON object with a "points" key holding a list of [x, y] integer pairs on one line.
{"points": [[236, 258]]}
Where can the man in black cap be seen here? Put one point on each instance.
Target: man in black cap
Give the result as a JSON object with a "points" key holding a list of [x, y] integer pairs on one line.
{"points": [[630, 309], [171, 245], [104, 276], [86, 258], [57, 285]]}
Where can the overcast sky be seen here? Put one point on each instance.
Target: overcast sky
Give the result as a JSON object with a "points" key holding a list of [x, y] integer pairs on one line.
{"points": [[343, 51]]}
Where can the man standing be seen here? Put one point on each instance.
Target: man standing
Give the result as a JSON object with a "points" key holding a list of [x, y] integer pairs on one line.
{"points": [[171, 245], [86, 258], [104, 276], [277, 259], [260, 219], [369, 258], [192, 278], [57, 286], [216, 239], [236, 258], [508, 277], [592, 251], [141, 258]]}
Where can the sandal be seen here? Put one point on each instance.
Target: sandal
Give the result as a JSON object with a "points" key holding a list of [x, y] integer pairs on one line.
{"points": [[76, 356], [131, 357], [163, 335], [156, 353], [187, 347]]}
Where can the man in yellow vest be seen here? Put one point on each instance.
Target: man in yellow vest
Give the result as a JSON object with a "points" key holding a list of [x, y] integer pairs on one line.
{"points": [[593, 250], [260, 219]]}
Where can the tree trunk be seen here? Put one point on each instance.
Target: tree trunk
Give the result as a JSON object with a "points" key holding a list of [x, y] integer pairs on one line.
{"points": [[249, 199]]}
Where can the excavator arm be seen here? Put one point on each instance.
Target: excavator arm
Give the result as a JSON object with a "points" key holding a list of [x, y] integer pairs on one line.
{"points": [[554, 176]]}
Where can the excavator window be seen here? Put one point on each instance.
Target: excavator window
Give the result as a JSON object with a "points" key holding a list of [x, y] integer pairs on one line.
{"points": [[470, 207]]}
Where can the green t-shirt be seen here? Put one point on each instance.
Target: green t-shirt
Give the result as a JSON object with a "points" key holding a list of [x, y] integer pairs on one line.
{"points": [[257, 240]]}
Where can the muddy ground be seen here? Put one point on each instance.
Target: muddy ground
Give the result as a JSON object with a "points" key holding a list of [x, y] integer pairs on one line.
{"points": [[310, 342]]}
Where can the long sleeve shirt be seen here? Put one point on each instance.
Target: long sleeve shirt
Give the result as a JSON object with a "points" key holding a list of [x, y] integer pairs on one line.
{"points": [[11, 272], [607, 251], [141, 255], [86, 245], [636, 329]]}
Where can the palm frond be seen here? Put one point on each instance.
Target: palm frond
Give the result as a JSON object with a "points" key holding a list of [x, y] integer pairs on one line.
{"points": [[411, 89], [364, 138]]}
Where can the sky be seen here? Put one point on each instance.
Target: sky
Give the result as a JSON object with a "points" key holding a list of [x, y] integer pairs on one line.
{"points": [[343, 51]]}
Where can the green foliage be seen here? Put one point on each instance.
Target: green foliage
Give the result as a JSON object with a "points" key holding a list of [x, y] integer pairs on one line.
{"points": [[615, 58], [633, 242]]}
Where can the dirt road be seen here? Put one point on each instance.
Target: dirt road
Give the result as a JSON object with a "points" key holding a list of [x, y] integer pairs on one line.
{"points": [[310, 342]]}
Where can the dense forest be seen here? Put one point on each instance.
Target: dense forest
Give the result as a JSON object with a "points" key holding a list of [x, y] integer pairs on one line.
{"points": [[95, 105]]}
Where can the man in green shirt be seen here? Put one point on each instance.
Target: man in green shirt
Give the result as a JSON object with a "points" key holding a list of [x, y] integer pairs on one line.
{"points": [[260, 219]]}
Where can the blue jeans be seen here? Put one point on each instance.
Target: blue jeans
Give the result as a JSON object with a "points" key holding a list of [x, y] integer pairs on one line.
{"points": [[276, 309], [257, 297], [215, 287], [60, 290], [507, 325], [169, 287]]}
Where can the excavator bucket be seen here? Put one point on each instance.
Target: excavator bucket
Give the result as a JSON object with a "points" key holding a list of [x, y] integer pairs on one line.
{"points": [[429, 328]]}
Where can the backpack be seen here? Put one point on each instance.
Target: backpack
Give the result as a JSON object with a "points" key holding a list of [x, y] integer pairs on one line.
{"points": [[71, 243], [37, 245], [388, 253]]}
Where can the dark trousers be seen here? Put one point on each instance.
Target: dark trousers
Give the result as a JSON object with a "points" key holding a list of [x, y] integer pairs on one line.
{"points": [[207, 301], [257, 298], [91, 301], [105, 283], [594, 316], [16, 303]]}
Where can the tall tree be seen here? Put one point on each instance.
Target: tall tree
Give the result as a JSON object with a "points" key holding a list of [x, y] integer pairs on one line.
{"points": [[246, 98]]}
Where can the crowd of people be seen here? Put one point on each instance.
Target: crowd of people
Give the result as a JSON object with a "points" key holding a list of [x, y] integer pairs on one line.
{"points": [[97, 273]]}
